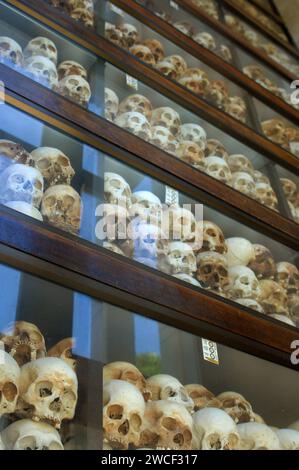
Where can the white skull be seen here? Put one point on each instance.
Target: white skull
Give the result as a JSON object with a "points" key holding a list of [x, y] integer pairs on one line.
{"points": [[24, 342], [42, 70], [205, 40], [242, 283], [167, 425], [288, 439], [129, 35], [166, 117], [240, 163], [213, 238], [76, 88], [194, 133], [21, 183], [113, 34], [243, 182], [9, 383], [236, 107], [28, 435], [225, 53], [180, 258], [178, 62], [137, 103], [143, 53], [70, 67], [121, 370], [215, 430], [116, 189], [48, 391], [187, 278], [167, 68], [10, 51], [216, 149], [136, 123], [63, 350], [250, 303], [62, 207], [240, 251], [164, 139], [218, 169], [218, 93], [191, 153], [236, 406], [156, 48], [25, 208], [166, 387], [41, 47], [265, 194], [150, 245], [147, 206], [123, 413], [54, 165], [195, 80], [257, 436]]}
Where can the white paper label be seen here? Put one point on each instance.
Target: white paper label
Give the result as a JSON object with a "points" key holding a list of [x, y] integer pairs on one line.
{"points": [[116, 10], [1, 353], [174, 5], [132, 82], [210, 353], [171, 196]]}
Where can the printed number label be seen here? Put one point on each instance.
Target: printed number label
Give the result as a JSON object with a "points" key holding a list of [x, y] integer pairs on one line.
{"points": [[171, 196], [132, 82], [210, 352]]}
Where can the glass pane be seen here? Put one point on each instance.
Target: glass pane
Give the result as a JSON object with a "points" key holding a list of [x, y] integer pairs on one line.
{"points": [[48, 331], [85, 192], [290, 185]]}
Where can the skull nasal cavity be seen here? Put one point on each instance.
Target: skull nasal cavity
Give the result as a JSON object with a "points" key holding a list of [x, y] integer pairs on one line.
{"points": [[115, 412], [44, 389], [124, 428], [9, 391]]}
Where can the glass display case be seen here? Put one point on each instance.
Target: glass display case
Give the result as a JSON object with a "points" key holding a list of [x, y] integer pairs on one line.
{"points": [[130, 382]]}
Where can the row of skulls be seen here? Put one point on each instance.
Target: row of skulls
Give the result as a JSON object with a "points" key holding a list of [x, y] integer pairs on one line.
{"points": [[79, 10], [273, 51], [175, 67], [163, 128], [282, 134], [208, 6], [291, 192], [38, 184], [39, 59], [161, 413], [173, 241], [38, 388]]}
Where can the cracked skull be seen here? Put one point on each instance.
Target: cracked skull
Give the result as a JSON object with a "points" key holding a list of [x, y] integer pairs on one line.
{"points": [[21, 183], [54, 165]]}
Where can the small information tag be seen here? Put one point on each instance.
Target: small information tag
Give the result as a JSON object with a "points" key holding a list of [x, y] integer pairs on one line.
{"points": [[171, 196], [116, 10], [2, 353], [132, 82], [174, 5], [210, 353]]}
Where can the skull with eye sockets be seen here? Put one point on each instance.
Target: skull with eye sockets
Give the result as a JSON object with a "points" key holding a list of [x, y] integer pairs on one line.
{"points": [[10, 51], [21, 183]]}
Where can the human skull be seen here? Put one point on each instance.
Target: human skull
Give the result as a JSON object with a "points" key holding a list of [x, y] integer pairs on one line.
{"points": [[164, 139], [259, 177], [257, 436], [156, 48], [11, 152], [289, 187], [236, 107], [83, 15], [225, 52], [180, 224], [24, 342], [166, 117], [48, 391], [136, 123], [187, 278], [127, 372], [42, 70], [184, 27], [273, 298], [215, 430], [243, 182], [63, 350], [9, 383], [218, 93], [288, 439], [240, 163], [240, 251], [218, 169], [213, 238], [25, 208], [75, 88], [62, 207], [257, 74], [193, 133], [143, 53], [10, 51], [84, 4], [147, 206], [113, 34], [129, 35], [191, 153], [180, 259], [116, 189], [236, 406], [265, 194], [54, 165], [70, 67], [206, 40], [137, 103], [28, 435], [150, 245], [202, 397], [263, 265], [216, 149], [21, 183], [212, 270], [166, 387], [178, 62], [167, 425], [167, 68], [123, 413], [274, 129], [41, 46], [111, 104], [195, 80], [288, 277], [250, 303], [242, 283]]}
